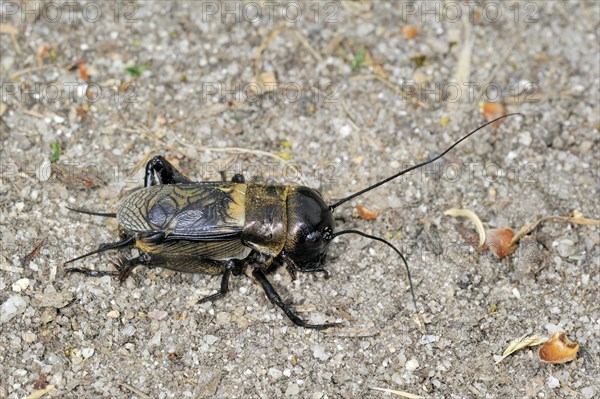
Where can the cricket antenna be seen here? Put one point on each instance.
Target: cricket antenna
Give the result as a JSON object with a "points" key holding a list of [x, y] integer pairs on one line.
{"points": [[382, 182], [408, 275], [103, 214]]}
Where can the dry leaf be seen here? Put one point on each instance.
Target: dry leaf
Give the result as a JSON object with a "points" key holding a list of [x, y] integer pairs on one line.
{"points": [[522, 342], [492, 111], [559, 349], [474, 218], [399, 393], [365, 213], [500, 242]]}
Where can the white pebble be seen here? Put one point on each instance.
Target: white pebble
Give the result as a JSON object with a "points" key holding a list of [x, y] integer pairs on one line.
{"points": [[292, 390], [525, 139], [516, 293], [13, 306], [157, 314], [87, 352], [20, 285], [412, 364], [319, 353], [553, 328], [275, 373], [428, 339], [155, 340], [128, 331], [553, 382], [210, 339], [223, 318], [588, 392], [345, 131], [585, 279]]}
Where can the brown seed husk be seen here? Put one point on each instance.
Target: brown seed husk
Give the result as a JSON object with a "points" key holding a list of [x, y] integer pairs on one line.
{"points": [[559, 349]]}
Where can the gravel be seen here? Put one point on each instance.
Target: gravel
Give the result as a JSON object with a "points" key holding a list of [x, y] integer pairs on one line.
{"points": [[175, 78]]}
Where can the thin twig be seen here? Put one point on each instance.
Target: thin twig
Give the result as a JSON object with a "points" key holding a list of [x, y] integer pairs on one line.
{"points": [[30, 70], [134, 390], [265, 43], [304, 41], [565, 219]]}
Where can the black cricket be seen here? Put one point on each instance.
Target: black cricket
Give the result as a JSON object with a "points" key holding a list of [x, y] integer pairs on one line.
{"points": [[231, 228]]}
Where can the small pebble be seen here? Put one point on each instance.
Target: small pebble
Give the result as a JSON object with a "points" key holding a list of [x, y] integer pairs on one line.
{"points": [[87, 352], [412, 364], [29, 337], [210, 339], [155, 340], [223, 318], [128, 330], [319, 353], [428, 339], [292, 390], [275, 373], [113, 314], [158, 314], [20, 285], [516, 293], [553, 382], [12, 307], [565, 247], [588, 392]]}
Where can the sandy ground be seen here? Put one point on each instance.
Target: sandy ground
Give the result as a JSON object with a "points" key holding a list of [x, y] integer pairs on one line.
{"points": [[91, 90]]}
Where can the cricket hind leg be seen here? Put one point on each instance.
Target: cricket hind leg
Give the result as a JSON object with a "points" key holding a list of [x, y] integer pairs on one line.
{"points": [[276, 299], [160, 171], [123, 267]]}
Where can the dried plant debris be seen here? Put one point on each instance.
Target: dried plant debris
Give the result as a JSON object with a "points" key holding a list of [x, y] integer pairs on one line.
{"points": [[410, 31], [503, 242], [499, 241], [454, 212], [83, 71], [558, 349], [31, 255], [76, 176], [555, 350], [493, 111], [574, 217], [41, 392], [398, 393], [366, 214], [522, 342]]}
